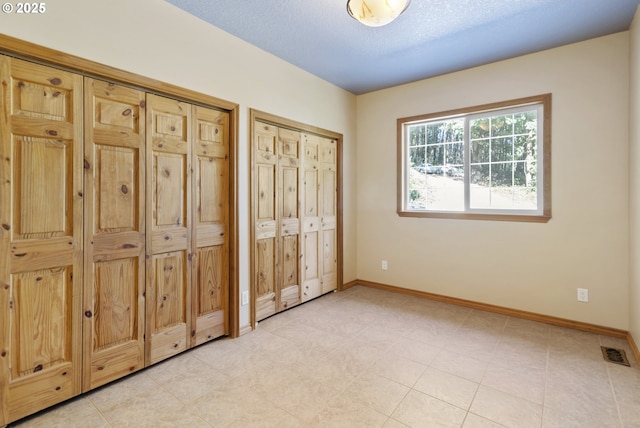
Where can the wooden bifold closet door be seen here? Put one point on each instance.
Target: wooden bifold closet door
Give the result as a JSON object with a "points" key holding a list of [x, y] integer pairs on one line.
{"points": [[295, 217], [114, 287], [210, 234], [187, 226], [114, 232], [41, 266], [320, 213]]}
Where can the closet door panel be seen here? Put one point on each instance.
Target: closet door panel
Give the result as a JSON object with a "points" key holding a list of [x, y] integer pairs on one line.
{"points": [[41, 237], [265, 214], [168, 223], [311, 286], [114, 302], [288, 196], [328, 212], [210, 233]]}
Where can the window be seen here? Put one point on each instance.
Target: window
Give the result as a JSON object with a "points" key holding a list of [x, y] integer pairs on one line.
{"points": [[490, 162]]}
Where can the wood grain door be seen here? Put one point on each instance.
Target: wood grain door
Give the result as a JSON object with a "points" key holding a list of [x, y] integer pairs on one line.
{"points": [[114, 302], [168, 217], [288, 197], [210, 234], [328, 200], [265, 215], [311, 236], [41, 237]]}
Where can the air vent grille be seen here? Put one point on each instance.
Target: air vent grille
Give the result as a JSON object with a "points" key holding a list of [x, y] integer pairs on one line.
{"points": [[614, 355]]}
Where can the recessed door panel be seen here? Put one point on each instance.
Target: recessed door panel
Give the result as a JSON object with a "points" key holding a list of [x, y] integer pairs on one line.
{"points": [[116, 302], [265, 281], [117, 189], [212, 293], [41, 301], [42, 184]]}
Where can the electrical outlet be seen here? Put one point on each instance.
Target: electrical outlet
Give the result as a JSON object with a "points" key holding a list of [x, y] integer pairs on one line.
{"points": [[583, 294], [385, 265], [245, 298]]}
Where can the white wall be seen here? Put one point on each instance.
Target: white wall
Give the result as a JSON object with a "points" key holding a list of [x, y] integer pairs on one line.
{"points": [[634, 180], [531, 267], [155, 39]]}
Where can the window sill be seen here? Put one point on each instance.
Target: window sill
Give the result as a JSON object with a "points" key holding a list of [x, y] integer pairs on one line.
{"points": [[542, 218]]}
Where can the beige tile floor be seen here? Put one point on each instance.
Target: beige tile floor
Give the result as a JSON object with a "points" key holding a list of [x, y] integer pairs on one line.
{"points": [[371, 358]]}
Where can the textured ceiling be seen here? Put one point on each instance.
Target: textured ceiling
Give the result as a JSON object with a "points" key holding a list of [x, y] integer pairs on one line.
{"points": [[432, 37]]}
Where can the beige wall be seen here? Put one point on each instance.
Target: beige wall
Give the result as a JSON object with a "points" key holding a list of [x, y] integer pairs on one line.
{"points": [[531, 267], [157, 40], [634, 180]]}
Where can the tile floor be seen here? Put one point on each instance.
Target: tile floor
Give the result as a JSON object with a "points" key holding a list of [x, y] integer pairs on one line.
{"points": [[371, 358]]}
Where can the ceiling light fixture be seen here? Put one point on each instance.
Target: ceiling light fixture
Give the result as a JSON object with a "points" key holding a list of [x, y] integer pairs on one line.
{"points": [[376, 13]]}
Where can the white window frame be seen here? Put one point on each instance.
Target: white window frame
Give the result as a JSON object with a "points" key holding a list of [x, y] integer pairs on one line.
{"points": [[541, 103]]}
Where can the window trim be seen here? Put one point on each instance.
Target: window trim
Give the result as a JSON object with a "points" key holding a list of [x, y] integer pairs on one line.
{"points": [[507, 215]]}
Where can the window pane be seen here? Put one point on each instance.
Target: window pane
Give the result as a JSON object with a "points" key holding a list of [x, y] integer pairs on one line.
{"points": [[525, 174], [525, 123], [525, 147], [444, 193], [417, 189], [480, 175], [455, 154], [525, 198], [501, 174], [417, 156], [479, 128], [435, 155], [479, 151], [519, 174], [479, 187], [501, 149], [501, 125], [433, 132], [416, 135], [445, 132]]}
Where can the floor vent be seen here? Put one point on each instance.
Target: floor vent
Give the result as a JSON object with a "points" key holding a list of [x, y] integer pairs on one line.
{"points": [[614, 355]]}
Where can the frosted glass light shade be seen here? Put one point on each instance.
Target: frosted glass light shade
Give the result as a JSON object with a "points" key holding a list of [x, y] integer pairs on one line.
{"points": [[376, 13]]}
